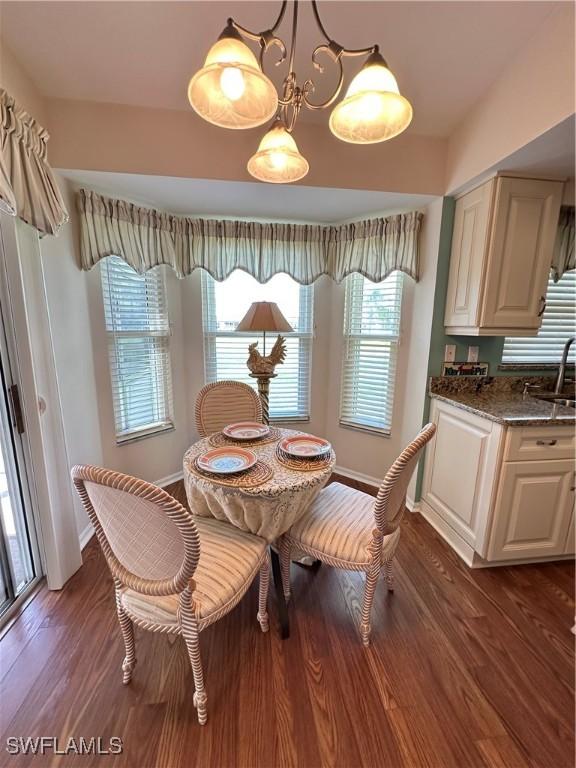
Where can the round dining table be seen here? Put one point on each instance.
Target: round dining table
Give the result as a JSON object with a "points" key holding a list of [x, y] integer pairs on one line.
{"points": [[267, 509]]}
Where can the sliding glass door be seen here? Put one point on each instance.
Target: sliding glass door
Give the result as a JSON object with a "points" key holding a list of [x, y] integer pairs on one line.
{"points": [[19, 558]]}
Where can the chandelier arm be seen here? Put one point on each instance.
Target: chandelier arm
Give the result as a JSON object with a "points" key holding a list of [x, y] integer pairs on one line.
{"points": [[330, 41], [309, 86], [319, 22], [259, 36]]}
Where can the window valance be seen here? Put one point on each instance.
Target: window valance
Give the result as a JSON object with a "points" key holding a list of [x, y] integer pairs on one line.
{"points": [[28, 188], [145, 238], [564, 258]]}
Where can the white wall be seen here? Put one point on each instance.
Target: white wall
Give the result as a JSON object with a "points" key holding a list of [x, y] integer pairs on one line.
{"points": [[67, 299], [417, 323]]}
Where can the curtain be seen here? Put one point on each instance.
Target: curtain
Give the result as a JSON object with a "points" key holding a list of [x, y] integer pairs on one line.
{"points": [[28, 188], [564, 258], [145, 238]]}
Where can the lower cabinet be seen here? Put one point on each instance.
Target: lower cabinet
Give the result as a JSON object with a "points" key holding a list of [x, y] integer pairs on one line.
{"points": [[499, 494], [461, 464], [533, 509]]}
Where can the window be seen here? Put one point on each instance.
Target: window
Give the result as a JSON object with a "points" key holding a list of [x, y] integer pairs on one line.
{"points": [[225, 303], [371, 336], [558, 323], [136, 316]]}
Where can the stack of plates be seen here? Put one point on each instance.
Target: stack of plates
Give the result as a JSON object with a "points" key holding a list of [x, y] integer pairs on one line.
{"points": [[305, 447], [246, 431], [228, 460]]}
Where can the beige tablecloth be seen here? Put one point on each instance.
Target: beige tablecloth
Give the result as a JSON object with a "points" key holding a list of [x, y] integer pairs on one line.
{"points": [[267, 510]]}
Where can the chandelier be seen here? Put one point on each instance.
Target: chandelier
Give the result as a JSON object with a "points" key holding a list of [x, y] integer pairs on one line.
{"points": [[233, 91]]}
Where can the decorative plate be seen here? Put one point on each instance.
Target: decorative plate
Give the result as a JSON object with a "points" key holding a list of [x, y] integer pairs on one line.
{"points": [[305, 446], [246, 430], [226, 461]]}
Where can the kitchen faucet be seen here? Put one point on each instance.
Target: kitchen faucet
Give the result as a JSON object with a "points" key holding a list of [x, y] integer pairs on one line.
{"points": [[559, 386]]}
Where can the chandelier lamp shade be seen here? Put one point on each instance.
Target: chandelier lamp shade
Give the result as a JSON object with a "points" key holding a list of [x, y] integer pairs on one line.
{"points": [[232, 91], [278, 159]]}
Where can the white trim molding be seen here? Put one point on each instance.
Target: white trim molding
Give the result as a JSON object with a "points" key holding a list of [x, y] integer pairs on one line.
{"points": [[169, 479], [361, 478], [85, 536]]}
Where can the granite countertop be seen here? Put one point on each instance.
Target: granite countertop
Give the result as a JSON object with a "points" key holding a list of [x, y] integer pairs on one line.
{"points": [[500, 399]]}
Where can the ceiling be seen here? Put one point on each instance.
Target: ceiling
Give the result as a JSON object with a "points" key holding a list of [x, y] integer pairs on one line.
{"points": [[445, 54], [239, 199]]}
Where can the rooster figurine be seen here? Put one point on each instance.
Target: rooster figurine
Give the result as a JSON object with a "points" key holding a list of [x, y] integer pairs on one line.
{"points": [[264, 366]]}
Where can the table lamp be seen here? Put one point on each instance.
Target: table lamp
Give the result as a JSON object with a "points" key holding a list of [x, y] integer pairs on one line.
{"points": [[264, 316]]}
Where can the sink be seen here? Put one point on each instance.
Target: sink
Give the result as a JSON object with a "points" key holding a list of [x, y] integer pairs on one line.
{"points": [[559, 399]]}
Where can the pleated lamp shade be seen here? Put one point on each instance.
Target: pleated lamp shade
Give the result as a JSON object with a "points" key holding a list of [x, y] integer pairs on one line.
{"points": [[264, 316]]}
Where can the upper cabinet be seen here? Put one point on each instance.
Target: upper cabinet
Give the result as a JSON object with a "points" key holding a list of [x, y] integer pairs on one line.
{"points": [[502, 244]]}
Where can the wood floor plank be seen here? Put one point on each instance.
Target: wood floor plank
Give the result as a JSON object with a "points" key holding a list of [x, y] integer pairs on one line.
{"points": [[502, 752], [466, 668]]}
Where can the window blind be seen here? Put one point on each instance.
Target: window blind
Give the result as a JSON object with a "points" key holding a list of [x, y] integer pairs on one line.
{"points": [[371, 336], [225, 303], [137, 323], [558, 323]]}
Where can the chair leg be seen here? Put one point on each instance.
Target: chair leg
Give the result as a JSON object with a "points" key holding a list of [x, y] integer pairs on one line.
{"points": [[264, 581], [127, 628], [389, 574], [284, 549], [191, 636], [369, 589]]}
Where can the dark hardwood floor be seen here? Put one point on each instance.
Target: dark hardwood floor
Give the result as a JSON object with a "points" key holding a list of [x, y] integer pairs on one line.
{"points": [[466, 668]]}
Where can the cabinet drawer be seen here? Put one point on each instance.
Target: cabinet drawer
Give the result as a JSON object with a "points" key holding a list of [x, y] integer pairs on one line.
{"points": [[536, 443]]}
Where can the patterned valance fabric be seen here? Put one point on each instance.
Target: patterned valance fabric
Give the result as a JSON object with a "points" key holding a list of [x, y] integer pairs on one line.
{"points": [[145, 238], [28, 188], [564, 258]]}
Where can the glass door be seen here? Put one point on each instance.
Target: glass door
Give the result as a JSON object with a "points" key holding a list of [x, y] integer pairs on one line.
{"points": [[19, 558]]}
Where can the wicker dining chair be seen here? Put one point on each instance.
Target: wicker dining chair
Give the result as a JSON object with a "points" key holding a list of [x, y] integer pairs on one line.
{"points": [[223, 402], [173, 572], [348, 529]]}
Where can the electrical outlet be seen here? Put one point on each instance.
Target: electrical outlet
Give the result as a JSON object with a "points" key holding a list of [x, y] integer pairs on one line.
{"points": [[449, 353], [473, 354]]}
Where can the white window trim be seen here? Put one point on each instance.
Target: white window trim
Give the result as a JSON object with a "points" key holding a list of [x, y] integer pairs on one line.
{"points": [[127, 436], [209, 337], [349, 338]]}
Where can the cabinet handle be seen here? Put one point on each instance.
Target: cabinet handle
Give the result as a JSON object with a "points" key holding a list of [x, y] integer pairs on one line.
{"points": [[542, 305], [546, 442]]}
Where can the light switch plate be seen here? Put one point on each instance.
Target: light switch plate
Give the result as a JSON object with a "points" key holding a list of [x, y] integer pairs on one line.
{"points": [[473, 353], [449, 353]]}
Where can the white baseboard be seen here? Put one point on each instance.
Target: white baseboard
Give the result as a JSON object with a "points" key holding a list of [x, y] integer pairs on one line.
{"points": [[169, 479], [358, 476], [411, 505], [86, 535]]}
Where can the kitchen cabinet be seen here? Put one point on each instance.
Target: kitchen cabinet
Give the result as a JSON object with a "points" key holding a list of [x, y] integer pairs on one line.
{"points": [[499, 494], [502, 244], [533, 509], [460, 467]]}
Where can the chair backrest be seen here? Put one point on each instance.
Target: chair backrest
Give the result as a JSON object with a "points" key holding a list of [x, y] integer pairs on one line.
{"points": [[391, 498], [148, 538], [223, 402]]}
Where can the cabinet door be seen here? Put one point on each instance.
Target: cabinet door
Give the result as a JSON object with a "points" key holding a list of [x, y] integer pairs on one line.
{"points": [[460, 471], [520, 253], [466, 259], [533, 509]]}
